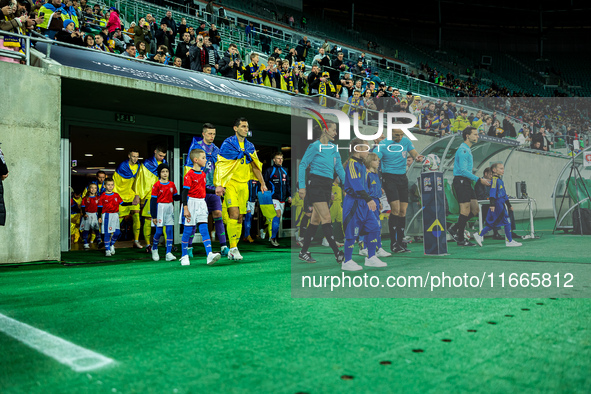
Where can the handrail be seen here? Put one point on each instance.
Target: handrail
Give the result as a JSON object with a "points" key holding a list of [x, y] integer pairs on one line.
{"points": [[14, 54]]}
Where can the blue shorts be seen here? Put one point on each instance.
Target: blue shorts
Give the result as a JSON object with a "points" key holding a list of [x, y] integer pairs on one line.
{"points": [[214, 202], [358, 219]]}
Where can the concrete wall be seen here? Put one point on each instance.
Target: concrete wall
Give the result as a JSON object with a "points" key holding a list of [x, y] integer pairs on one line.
{"points": [[30, 137]]}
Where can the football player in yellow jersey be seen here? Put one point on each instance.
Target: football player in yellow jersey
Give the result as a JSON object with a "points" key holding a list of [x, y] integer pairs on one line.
{"points": [[237, 164], [125, 178], [147, 177]]}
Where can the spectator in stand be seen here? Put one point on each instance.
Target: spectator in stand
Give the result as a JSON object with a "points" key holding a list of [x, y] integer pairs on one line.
{"points": [[193, 35], [215, 38], [346, 88], [100, 43], [359, 70], [291, 20], [270, 74], [250, 32], [142, 33], [376, 79], [213, 57], [276, 54], [485, 127], [291, 57], [182, 28], [164, 36], [230, 66], [161, 55], [130, 50], [198, 55], [141, 51], [509, 128], [337, 67], [495, 130], [177, 62], [322, 60], [201, 29], [252, 71], [182, 51], [313, 80], [169, 21], [302, 49], [89, 41], [265, 41], [209, 11], [118, 43], [223, 20], [524, 138], [114, 21], [54, 14], [69, 35]]}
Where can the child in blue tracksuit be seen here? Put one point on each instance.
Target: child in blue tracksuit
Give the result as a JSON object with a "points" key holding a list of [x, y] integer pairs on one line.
{"points": [[498, 216], [358, 212], [374, 187]]}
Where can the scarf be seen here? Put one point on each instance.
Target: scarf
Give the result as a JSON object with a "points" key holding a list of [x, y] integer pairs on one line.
{"points": [[287, 77], [322, 90], [15, 42], [357, 102], [253, 68]]}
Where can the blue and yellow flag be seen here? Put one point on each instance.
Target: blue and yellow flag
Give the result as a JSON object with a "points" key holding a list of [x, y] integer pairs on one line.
{"points": [[147, 177], [234, 162], [125, 178], [266, 204]]}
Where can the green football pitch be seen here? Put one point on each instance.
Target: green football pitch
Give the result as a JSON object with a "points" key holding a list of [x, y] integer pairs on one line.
{"points": [[234, 327]]}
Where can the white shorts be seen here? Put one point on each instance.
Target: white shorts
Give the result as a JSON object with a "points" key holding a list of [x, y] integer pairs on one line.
{"points": [[89, 223], [110, 223], [198, 211], [279, 206], [165, 215], [250, 206]]}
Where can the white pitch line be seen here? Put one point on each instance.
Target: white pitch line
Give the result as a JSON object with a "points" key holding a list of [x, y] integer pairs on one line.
{"points": [[74, 356]]}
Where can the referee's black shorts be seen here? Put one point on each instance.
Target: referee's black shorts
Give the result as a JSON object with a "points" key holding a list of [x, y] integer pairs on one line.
{"points": [[396, 187], [318, 189], [463, 189]]}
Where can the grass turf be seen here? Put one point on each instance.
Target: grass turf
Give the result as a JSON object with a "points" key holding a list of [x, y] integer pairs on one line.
{"points": [[234, 327]]}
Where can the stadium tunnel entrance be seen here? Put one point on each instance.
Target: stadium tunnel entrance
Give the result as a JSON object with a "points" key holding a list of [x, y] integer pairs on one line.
{"points": [[120, 117]]}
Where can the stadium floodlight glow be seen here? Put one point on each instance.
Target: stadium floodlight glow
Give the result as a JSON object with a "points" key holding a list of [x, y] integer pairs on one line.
{"points": [[286, 148], [119, 148], [88, 154], [111, 162]]}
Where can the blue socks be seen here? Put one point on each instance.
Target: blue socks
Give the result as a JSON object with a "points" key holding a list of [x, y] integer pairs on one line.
{"points": [[188, 233], [247, 224], [275, 227], [169, 238], [204, 231], [157, 236]]}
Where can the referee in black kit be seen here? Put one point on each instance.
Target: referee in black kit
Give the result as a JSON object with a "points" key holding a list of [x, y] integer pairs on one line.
{"points": [[462, 184]]}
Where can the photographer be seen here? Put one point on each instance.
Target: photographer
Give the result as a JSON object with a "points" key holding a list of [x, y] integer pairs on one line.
{"points": [[164, 36], [198, 55]]}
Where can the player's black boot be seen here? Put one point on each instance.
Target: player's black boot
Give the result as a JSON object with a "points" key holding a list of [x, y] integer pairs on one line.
{"points": [[307, 257]]}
